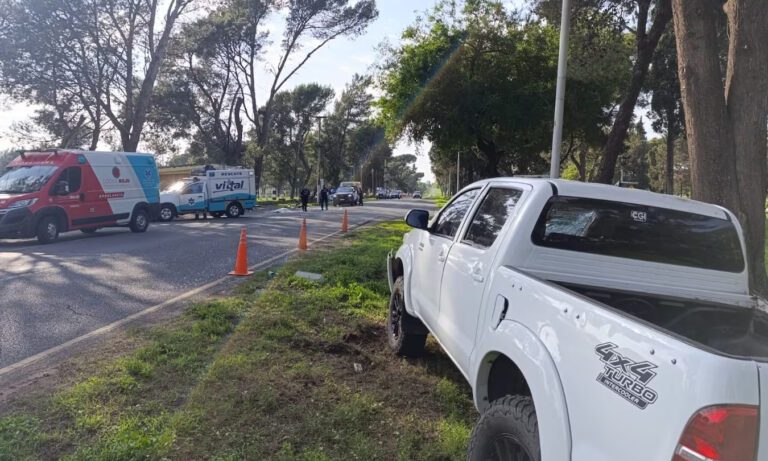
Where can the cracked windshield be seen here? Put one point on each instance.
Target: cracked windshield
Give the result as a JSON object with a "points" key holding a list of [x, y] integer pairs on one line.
{"points": [[429, 230]]}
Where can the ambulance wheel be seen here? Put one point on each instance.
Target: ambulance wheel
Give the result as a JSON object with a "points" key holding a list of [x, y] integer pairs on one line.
{"points": [[167, 213], [91, 230], [48, 229], [139, 221], [234, 210]]}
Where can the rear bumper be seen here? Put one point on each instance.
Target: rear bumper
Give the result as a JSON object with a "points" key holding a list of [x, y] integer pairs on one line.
{"points": [[17, 222]]}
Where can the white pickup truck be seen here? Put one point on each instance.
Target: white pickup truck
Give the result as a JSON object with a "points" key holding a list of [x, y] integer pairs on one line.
{"points": [[593, 323]]}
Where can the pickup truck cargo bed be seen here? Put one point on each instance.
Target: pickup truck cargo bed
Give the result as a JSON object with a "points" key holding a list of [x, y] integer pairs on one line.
{"points": [[730, 330]]}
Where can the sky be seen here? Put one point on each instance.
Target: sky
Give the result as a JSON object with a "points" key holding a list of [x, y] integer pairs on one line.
{"points": [[333, 65]]}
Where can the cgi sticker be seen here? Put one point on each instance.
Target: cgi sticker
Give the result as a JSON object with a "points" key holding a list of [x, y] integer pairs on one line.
{"points": [[625, 377]]}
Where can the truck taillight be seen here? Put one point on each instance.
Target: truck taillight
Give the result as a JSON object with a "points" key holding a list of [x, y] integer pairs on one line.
{"points": [[720, 433]]}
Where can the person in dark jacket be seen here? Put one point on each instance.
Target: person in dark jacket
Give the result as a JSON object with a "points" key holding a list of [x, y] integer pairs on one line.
{"points": [[304, 194], [324, 198]]}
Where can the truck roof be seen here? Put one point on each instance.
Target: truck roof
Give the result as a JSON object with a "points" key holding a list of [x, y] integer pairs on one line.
{"points": [[617, 194]]}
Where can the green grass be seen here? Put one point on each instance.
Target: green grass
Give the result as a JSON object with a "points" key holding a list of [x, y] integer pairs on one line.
{"points": [[266, 374], [441, 200]]}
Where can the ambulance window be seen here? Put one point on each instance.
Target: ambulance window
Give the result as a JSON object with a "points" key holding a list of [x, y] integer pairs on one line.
{"points": [[73, 177]]}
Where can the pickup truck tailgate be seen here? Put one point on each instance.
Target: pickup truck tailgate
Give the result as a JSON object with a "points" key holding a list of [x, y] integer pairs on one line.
{"points": [[762, 452]]}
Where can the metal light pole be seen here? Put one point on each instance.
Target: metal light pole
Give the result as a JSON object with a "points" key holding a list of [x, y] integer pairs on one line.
{"points": [[562, 66]]}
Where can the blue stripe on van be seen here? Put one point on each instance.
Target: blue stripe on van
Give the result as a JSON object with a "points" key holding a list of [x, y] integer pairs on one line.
{"points": [[146, 170]]}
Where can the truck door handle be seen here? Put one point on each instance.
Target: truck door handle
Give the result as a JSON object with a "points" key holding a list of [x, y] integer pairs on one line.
{"points": [[441, 258], [477, 272]]}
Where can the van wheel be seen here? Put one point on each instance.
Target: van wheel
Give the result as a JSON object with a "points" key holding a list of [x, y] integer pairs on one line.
{"points": [[234, 210], [47, 229], [167, 212], [508, 430], [406, 335], [139, 221]]}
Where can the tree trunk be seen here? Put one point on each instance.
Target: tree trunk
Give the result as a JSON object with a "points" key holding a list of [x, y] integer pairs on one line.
{"points": [[646, 46], [669, 172], [726, 127]]}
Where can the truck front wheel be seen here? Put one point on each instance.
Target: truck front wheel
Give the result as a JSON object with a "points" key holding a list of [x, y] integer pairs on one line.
{"points": [[406, 335], [167, 212], [508, 430]]}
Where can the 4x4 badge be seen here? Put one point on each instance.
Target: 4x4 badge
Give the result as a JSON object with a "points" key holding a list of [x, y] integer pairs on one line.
{"points": [[625, 377]]}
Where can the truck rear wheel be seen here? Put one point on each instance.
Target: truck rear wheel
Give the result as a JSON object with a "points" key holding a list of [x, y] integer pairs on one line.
{"points": [[507, 430], [406, 335], [234, 210], [139, 221], [47, 230]]}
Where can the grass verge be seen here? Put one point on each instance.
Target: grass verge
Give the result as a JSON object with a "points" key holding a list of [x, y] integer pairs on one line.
{"points": [[286, 369]]}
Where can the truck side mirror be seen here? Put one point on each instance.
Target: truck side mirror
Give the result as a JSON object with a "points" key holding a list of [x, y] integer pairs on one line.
{"points": [[418, 219], [61, 188]]}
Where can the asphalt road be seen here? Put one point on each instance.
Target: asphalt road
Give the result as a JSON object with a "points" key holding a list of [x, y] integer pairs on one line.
{"points": [[50, 294]]}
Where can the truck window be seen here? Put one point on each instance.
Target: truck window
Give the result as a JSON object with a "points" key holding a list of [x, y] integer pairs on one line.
{"points": [[497, 206], [193, 188], [639, 232], [449, 221], [73, 177]]}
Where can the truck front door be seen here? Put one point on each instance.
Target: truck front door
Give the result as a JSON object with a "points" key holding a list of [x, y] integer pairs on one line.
{"points": [[192, 197], [466, 272], [432, 252]]}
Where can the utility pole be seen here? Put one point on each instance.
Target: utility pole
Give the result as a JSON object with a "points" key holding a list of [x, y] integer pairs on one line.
{"points": [[373, 180], [319, 158], [562, 66]]}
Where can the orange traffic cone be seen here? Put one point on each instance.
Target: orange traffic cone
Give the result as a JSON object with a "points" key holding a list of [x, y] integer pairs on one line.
{"points": [[241, 263], [303, 235], [345, 222]]}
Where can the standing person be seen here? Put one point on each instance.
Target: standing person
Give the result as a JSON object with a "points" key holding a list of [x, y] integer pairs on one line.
{"points": [[304, 198], [324, 198], [360, 199]]}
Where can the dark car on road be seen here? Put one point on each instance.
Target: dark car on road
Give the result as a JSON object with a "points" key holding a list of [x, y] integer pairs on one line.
{"points": [[345, 196]]}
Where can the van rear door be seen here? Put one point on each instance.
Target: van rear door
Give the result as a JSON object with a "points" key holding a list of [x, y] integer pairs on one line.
{"points": [[762, 450]]}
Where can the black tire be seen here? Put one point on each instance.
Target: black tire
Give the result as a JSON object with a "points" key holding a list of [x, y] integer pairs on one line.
{"points": [[90, 230], [48, 229], [507, 430], [406, 335], [139, 221], [167, 212], [234, 210]]}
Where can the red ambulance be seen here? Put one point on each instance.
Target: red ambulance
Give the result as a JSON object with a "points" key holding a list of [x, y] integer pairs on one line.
{"points": [[45, 193]]}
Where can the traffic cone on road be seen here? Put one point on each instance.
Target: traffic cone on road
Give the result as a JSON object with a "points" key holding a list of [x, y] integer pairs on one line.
{"points": [[345, 222], [303, 235], [241, 263]]}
